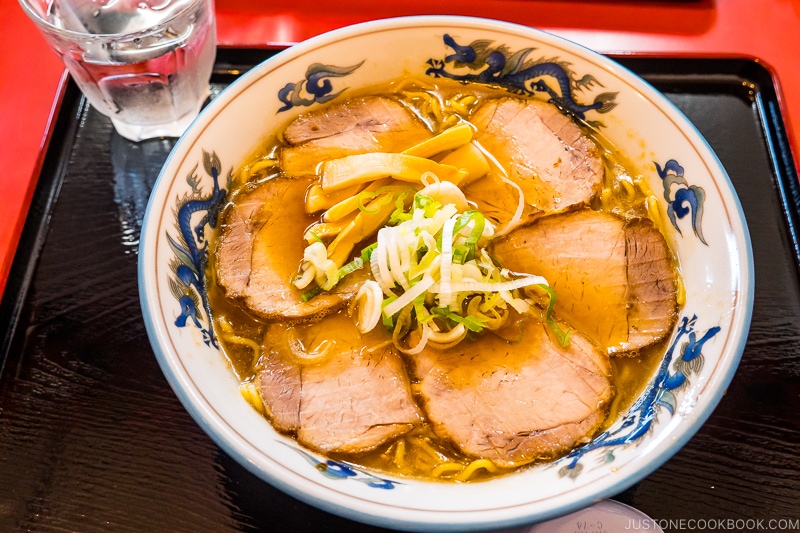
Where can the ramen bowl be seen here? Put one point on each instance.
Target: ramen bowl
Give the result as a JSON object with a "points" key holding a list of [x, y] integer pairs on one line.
{"points": [[703, 223]]}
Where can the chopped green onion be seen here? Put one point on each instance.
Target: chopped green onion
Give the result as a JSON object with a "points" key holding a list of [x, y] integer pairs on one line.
{"points": [[388, 320], [471, 322], [421, 312], [400, 214], [408, 296], [309, 294], [476, 233], [364, 196], [427, 205], [461, 254], [563, 337], [366, 253], [421, 201], [350, 267]]}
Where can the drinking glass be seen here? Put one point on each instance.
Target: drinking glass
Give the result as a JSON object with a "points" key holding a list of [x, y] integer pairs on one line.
{"points": [[145, 64]]}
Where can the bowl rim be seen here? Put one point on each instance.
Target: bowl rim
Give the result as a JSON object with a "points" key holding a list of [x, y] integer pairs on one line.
{"points": [[371, 512]]}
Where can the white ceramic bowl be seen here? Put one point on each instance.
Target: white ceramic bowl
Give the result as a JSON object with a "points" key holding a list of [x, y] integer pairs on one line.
{"points": [[714, 253]]}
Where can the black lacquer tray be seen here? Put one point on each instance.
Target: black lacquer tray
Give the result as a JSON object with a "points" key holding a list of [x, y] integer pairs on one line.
{"points": [[92, 438]]}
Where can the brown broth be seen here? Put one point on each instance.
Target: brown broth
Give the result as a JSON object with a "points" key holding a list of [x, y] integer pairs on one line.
{"points": [[417, 454]]}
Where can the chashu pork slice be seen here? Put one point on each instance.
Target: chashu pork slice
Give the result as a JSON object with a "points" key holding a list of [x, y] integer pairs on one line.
{"points": [[544, 152], [516, 402], [614, 280], [354, 398], [360, 125], [260, 248]]}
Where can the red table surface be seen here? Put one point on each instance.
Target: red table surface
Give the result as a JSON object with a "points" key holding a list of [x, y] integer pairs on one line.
{"points": [[31, 76]]}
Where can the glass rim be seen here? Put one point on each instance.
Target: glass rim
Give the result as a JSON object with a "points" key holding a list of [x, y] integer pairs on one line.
{"points": [[49, 27]]}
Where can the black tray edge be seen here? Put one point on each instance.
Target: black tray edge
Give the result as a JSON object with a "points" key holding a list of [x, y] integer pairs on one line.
{"points": [[54, 167]]}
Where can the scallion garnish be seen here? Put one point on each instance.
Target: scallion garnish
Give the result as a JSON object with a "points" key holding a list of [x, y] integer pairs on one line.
{"points": [[562, 336]]}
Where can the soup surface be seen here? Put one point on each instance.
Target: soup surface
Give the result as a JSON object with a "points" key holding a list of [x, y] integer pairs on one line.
{"points": [[441, 281]]}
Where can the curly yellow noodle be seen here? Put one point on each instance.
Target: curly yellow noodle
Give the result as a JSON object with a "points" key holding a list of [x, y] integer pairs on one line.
{"points": [[261, 165], [461, 103], [225, 325], [471, 468], [457, 106], [627, 185], [444, 468], [251, 395], [427, 448], [235, 339], [400, 454]]}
